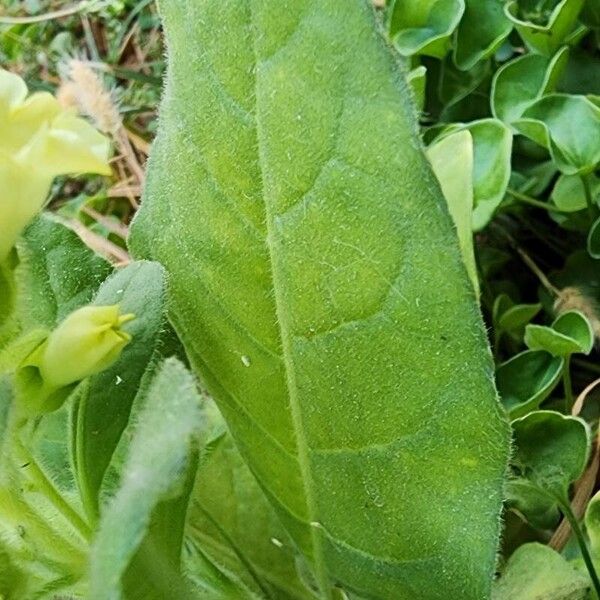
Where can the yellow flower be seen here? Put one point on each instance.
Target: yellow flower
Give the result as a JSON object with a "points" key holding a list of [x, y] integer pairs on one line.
{"points": [[38, 141]]}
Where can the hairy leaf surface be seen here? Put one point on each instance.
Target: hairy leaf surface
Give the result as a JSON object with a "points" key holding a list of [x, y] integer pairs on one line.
{"points": [[157, 472], [314, 274]]}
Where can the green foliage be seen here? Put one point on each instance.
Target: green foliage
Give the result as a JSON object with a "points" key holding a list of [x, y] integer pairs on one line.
{"points": [[551, 451], [156, 478], [536, 572], [269, 195], [481, 32], [527, 379], [313, 271], [544, 26], [424, 26], [571, 332], [568, 126], [139, 290], [523, 80]]}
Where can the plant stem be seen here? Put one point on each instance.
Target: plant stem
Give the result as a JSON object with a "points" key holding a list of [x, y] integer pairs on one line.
{"points": [[567, 384], [536, 203], [589, 197], [530, 263], [585, 553]]}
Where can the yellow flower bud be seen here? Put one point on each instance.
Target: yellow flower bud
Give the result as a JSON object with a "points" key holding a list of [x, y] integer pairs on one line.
{"points": [[87, 342], [38, 141]]}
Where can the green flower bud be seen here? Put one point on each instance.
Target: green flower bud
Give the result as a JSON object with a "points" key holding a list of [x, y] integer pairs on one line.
{"points": [[87, 342]]}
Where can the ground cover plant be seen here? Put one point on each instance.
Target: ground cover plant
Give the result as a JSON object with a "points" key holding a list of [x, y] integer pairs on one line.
{"points": [[337, 337]]}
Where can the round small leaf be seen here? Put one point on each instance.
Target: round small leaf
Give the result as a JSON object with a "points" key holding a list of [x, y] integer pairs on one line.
{"points": [[569, 194], [527, 379], [481, 32], [544, 33], [452, 162], [551, 450], [568, 126], [417, 80], [592, 524], [575, 325], [518, 316], [570, 333], [424, 26], [523, 80], [492, 143]]}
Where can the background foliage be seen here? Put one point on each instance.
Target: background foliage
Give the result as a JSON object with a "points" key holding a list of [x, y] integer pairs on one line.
{"points": [[509, 97]]}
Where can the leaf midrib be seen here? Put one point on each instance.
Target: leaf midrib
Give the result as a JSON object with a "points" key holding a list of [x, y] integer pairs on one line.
{"points": [[290, 374]]}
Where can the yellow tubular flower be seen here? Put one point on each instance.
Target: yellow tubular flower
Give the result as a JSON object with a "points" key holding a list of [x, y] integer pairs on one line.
{"points": [[87, 342], [38, 141]]}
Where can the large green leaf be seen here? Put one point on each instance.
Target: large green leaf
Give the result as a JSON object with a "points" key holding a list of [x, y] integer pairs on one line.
{"points": [[315, 277]]}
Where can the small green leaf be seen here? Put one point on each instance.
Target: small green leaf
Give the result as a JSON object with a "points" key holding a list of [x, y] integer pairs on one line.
{"points": [[544, 30], [568, 126], [424, 26], [527, 379], [492, 148], [492, 141], [56, 274], [455, 85], [502, 303], [481, 32], [593, 240], [570, 333], [592, 525], [516, 317], [523, 80], [550, 452], [569, 192], [417, 78], [159, 461], [537, 572], [452, 162]]}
